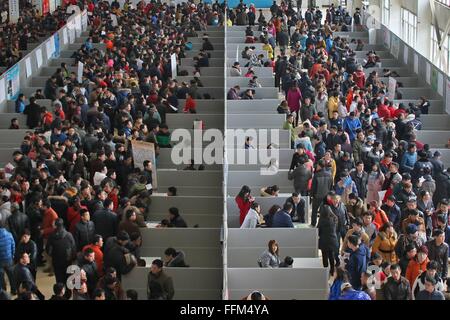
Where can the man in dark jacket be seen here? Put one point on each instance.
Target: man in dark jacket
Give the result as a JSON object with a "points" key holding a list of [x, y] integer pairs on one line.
{"points": [[301, 176], [26, 245], [17, 222], [119, 257], [22, 271], [358, 261], [396, 286], [105, 220], [411, 237], [298, 207], [321, 186], [282, 218], [175, 219], [35, 218], [84, 230], [174, 258], [438, 251], [33, 112], [393, 212], [360, 177], [61, 247], [158, 275], [207, 45], [23, 164], [86, 261]]}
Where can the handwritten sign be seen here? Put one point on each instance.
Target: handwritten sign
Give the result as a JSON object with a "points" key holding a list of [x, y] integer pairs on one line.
{"points": [[144, 151]]}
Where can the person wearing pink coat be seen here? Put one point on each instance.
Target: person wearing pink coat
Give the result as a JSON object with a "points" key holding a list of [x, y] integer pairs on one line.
{"points": [[294, 98]]}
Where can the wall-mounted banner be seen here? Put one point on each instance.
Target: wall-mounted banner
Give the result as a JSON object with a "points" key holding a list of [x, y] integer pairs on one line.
{"points": [[78, 26], [3, 89], [39, 58], [28, 69], [416, 63], [434, 79], [395, 46], [45, 7], [428, 73], [13, 82], [13, 11], [405, 54], [57, 51], [440, 84], [173, 65], [65, 36], [387, 38], [84, 20], [50, 48]]}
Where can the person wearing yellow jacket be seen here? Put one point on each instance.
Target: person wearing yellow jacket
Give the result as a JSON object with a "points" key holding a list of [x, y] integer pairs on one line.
{"points": [[333, 103], [267, 47]]}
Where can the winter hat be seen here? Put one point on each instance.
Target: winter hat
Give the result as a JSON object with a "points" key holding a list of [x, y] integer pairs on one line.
{"points": [[411, 228]]}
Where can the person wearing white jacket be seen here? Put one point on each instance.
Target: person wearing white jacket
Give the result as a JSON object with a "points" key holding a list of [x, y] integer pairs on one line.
{"points": [[253, 218]]}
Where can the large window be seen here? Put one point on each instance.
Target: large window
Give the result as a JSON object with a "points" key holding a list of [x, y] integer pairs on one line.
{"points": [[446, 2], [409, 27], [385, 15], [441, 61]]}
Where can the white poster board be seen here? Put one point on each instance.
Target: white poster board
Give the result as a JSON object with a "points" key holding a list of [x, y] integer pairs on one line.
{"points": [[173, 64], [416, 63], [392, 88], [3, 89], [405, 54], [145, 151], [28, 69], [373, 36], [428, 74], [78, 26], [387, 38], [80, 71], [49, 48], [39, 58]]}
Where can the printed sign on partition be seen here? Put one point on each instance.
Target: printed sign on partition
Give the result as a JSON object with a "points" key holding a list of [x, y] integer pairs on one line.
{"points": [[14, 11], [49, 48], [84, 20], [440, 84], [80, 71], [405, 54], [13, 82], [416, 63], [434, 79], [2, 89], [428, 73], [392, 88], [173, 64], [145, 151], [387, 38], [78, 25], [65, 36]]}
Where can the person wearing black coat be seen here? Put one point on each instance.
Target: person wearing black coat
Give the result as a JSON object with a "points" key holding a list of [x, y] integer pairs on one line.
{"points": [[26, 245], [61, 247], [105, 220], [23, 164], [35, 220], [22, 272], [207, 45], [361, 178], [84, 230], [175, 219], [298, 207], [86, 261], [119, 257], [33, 112], [17, 222], [442, 187], [328, 236], [396, 287]]}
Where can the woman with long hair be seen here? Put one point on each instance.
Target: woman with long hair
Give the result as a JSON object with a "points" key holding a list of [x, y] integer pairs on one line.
{"points": [[340, 277], [244, 201], [270, 258], [375, 183], [385, 243]]}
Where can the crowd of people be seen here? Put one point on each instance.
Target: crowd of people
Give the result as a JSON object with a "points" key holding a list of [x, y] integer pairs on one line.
{"points": [[31, 27], [76, 198], [381, 195]]}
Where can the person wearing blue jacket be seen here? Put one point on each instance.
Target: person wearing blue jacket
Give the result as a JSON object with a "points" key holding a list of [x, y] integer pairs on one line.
{"points": [[7, 249], [341, 277], [409, 159], [282, 219], [350, 125], [358, 260], [348, 293]]}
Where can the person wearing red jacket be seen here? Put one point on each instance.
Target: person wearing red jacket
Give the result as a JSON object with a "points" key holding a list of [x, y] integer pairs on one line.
{"points": [[244, 201], [359, 77], [73, 214], [190, 104], [96, 246], [379, 216], [49, 218]]}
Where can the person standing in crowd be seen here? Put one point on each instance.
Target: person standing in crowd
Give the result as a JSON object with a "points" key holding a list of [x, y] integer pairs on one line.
{"points": [[396, 286], [158, 275]]}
